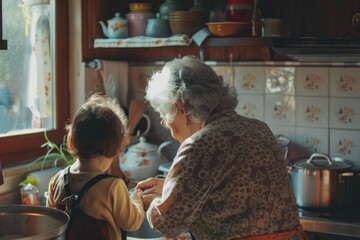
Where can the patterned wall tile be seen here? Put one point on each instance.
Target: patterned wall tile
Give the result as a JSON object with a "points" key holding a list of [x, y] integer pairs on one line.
{"points": [[251, 106], [138, 76], [345, 144], [280, 80], [314, 139], [345, 113], [289, 132], [227, 72], [312, 112], [345, 82], [280, 109], [249, 80], [312, 81]]}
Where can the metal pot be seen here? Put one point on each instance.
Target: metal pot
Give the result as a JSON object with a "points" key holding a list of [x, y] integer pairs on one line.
{"points": [[24, 222], [318, 182]]}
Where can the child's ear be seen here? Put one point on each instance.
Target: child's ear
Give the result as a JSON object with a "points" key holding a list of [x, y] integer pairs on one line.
{"points": [[70, 142]]}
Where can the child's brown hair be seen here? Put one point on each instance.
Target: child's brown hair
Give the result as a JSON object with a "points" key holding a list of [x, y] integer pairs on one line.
{"points": [[98, 129]]}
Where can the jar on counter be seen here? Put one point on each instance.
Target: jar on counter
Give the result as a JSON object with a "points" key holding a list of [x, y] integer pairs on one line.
{"points": [[29, 195], [271, 27]]}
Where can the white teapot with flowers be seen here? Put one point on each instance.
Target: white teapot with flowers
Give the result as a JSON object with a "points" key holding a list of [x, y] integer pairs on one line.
{"points": [[142, 160]]}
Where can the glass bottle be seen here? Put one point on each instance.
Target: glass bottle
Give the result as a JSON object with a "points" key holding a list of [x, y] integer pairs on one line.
{"points": [[256, 23]]}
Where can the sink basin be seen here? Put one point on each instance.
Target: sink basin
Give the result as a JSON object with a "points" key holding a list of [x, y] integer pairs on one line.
{"points": [[144, 232], [25, 222]]}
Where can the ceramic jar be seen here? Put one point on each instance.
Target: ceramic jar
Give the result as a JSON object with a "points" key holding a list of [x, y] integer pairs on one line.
{"points": [[157, 27], [142, 160], [137, 22]]}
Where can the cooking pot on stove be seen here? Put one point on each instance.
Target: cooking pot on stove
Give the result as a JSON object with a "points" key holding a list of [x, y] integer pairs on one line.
{"points": [[318, 182]]}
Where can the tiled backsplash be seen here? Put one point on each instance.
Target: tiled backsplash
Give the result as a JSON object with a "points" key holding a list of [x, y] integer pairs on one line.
{"points": [[316, 106]]}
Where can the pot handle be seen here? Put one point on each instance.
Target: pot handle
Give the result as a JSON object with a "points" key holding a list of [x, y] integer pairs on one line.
{"points": [[319, 155], [164, 144]]}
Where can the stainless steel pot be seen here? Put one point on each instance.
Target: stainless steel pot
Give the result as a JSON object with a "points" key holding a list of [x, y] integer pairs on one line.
{"points": [[24, 222], [318, 183]]}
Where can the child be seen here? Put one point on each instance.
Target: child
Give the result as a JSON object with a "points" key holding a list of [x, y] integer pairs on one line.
{"points": [[96, 137]]}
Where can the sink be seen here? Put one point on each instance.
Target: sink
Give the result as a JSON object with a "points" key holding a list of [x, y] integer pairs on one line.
{"points": [[144, 232]]}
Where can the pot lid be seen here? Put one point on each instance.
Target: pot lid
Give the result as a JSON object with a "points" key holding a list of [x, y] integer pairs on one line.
{"points": [[319, 161], [143, 146]]}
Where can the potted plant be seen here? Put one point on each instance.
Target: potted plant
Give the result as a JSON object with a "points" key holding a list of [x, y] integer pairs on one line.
{"points": [[55, 153]]}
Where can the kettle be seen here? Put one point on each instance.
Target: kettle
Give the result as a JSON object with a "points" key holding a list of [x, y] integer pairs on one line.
{"points": [[116, 27], [142, 160]]}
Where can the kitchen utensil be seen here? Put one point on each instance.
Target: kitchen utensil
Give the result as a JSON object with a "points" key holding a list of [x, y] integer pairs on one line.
{"points": [[227, 29], [318, 183], [283, 143], [142, 160], [24, 222], [116, 27], [137, 22], [136, 111]]}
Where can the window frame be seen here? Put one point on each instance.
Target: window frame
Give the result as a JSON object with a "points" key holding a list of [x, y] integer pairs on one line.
{"points": [[28, 146]]}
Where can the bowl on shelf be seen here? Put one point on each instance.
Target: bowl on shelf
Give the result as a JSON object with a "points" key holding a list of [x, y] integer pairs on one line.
{"points": [[140, 7], [229, 29], [187, 22]]}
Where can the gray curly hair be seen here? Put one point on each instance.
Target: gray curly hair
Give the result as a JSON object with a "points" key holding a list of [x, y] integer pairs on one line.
{"points": [[192, 82]]}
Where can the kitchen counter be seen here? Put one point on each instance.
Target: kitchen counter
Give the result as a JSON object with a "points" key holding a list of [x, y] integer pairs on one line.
{"points": [[340, 222], [133, 238], [336, 224]]}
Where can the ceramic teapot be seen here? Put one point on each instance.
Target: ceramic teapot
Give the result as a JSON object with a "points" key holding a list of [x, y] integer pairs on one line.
{"points": [[116, 27], [142, 160]]}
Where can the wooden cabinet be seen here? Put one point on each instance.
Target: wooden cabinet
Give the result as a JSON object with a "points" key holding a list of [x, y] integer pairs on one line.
{"points": [[301, 18]]}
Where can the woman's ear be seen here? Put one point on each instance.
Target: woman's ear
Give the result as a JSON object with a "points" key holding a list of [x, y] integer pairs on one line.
{"points": [[181, 108]]}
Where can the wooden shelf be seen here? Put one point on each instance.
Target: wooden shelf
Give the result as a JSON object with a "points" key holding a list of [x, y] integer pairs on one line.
{"points": [[216, 49], [233, 42], [300, 19]]}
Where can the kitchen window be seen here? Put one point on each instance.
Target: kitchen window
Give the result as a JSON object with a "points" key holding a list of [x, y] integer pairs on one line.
{"points": [[34, 95]]}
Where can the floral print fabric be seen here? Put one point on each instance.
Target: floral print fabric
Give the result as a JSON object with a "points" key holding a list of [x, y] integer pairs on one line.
{"points": [[231, 176]]}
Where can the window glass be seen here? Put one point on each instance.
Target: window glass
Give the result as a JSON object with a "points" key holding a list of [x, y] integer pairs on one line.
{"points": [[26, 68]]}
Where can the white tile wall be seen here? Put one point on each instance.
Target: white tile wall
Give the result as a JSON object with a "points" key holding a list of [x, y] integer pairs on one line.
{"points": [[315, 106]]}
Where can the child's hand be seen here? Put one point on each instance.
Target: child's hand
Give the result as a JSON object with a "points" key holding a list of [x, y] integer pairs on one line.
{"points": [[150, 189]]}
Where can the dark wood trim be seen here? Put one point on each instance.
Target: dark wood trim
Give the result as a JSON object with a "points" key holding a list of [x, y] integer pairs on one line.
{"points": [[22, 147]]}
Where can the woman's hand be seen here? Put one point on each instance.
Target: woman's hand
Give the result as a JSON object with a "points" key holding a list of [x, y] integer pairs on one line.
{"points": [[150, 189]]}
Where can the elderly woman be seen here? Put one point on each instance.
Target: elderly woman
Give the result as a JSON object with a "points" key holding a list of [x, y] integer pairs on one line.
{"points": [[228, 179]]}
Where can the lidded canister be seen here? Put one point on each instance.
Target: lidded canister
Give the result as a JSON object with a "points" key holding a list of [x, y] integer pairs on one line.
{"points": [[29, 195]]}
